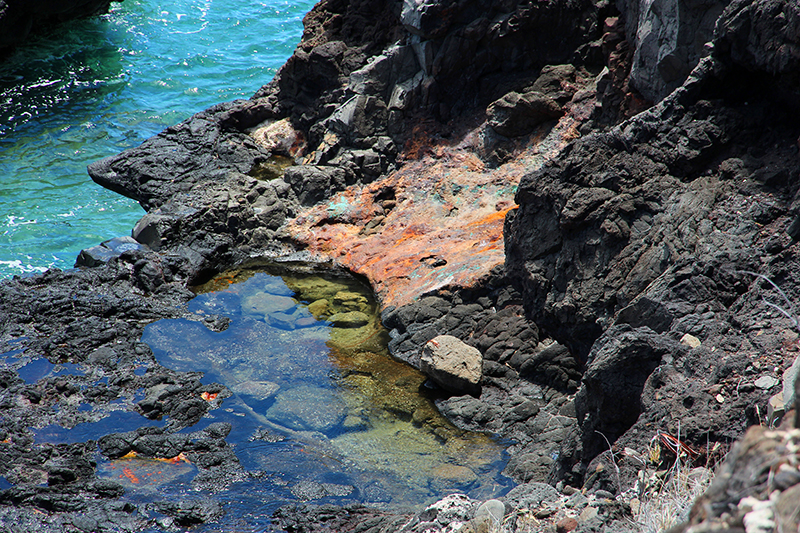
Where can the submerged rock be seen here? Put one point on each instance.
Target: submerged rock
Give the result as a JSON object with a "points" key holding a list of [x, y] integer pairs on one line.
{"points": [[308, 408], [350, 319], [20, 18]]}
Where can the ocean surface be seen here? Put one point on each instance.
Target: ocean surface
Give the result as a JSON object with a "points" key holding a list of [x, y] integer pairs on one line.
{"points": [[95, 87]]}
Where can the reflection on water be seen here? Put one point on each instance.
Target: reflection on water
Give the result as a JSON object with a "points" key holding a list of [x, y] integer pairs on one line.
{"points": [[319, 407]]}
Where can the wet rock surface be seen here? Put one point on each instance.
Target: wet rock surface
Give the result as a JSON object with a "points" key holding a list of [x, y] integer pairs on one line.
{"points": [[614, 308]]}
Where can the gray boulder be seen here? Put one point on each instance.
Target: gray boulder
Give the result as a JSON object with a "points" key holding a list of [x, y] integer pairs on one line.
{"points": [[452, 364]]}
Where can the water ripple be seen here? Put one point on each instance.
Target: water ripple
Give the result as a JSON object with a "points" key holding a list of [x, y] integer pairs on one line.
{"points": [[99, 86]]}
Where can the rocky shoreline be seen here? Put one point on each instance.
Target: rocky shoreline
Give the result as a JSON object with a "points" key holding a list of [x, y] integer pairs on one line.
{"points": [[614, 305]]}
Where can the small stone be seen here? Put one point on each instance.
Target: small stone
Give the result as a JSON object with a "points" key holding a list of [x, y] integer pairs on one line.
{"points": [[690, 340], [319, 308], [566, 524], [766, 382], [494, 508], [775, 408], [279, 137], [587, 514], [568, 490], [604, 494], [720, 398], [635, 506]]}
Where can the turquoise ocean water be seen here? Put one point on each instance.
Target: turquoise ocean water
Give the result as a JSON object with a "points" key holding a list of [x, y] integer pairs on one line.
{"points": [[95, 87]]}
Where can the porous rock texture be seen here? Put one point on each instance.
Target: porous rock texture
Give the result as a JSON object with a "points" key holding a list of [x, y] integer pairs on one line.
{"points": [[619, 301]]}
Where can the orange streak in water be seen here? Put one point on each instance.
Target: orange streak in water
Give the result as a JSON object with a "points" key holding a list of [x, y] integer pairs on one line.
{"points": [[128, 473]]}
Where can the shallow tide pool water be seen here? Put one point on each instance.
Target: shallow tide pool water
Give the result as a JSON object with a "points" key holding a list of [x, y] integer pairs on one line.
{"points": [[320, 411]]}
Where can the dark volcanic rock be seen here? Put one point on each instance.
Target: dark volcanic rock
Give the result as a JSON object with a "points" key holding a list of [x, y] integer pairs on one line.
{"points": [[518, 114], [19, 18], [668, 37], [205, 148], [621, 361], [635, 238], [629, 261]]}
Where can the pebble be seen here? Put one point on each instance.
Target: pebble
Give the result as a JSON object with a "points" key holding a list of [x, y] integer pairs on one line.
{"points": [[566, 524], [766, 382], [494, 508], [635, 506], [587, 514], [690, 341]]}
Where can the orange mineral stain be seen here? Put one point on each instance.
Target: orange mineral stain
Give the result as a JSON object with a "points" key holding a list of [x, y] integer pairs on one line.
{"points": [[435, 223], [209, 396], [180, 458], [128, 473]]}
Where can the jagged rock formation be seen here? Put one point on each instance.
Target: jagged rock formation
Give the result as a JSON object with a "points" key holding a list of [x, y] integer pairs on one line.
{"points": [[635, 237], [625, 304], [668, 38]]}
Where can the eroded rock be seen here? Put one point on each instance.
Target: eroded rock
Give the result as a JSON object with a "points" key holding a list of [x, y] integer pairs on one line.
{"points": [[517, 114]]}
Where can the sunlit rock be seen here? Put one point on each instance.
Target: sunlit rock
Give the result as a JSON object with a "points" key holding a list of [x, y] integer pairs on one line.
{"points": [[452, 364]]}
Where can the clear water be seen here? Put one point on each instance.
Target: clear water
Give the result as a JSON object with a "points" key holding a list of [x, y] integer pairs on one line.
{"points": [[98, 86], [307, 362]]}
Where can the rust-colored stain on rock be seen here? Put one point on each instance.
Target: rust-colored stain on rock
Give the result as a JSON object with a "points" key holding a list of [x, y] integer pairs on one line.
{"points": [[436, 222]]}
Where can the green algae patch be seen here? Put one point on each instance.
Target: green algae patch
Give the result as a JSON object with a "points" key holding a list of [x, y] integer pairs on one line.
{"points": [[271, 169], [306, 358]]}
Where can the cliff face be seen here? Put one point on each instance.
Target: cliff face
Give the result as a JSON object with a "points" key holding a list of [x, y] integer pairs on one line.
{"points": [[637, 246], [668, 38], [616, 301]]}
